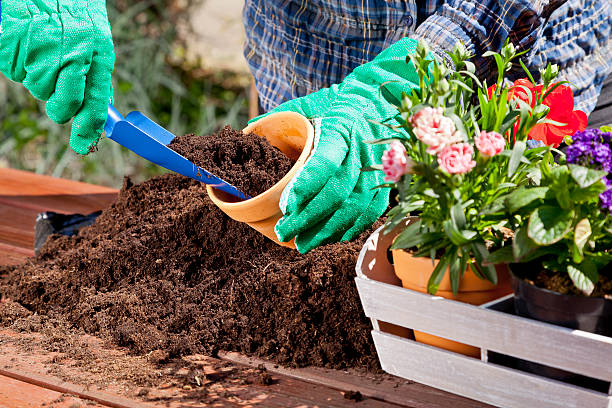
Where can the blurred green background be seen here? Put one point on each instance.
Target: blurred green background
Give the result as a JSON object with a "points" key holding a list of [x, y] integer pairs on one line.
{"points": [[152, 75]]}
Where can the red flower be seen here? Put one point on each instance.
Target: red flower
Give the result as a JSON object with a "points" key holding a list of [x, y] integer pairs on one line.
{"points": [[561, 104]]}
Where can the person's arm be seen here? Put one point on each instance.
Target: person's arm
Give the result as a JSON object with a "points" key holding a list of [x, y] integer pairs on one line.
{"points": [[62, 52], [484, 25]]}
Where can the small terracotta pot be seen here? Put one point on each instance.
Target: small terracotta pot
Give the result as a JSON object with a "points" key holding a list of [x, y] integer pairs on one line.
{"points": [[293, 135], [415, 272]]}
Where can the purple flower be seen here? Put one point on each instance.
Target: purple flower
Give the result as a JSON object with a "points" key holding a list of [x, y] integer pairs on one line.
{"points": [[591, 148], [605, 200]]}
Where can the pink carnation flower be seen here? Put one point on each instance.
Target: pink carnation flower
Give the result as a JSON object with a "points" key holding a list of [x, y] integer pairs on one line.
{"points": [[490, 143], [395, 162], [457, 158], [434, 129]]}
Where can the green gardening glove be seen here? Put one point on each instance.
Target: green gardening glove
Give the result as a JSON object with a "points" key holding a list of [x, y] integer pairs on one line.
{"points": [[331, 199], [62, 52]]}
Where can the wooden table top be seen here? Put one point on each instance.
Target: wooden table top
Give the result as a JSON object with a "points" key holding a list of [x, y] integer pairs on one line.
{"points": [[24, 378]]}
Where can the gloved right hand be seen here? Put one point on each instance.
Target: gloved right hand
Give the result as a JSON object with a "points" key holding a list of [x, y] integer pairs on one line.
{"points": [[62, 52], [330, 199]]}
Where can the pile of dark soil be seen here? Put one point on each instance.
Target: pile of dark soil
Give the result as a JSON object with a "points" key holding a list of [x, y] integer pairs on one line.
{"points": [[164, 269], [231, 154]]}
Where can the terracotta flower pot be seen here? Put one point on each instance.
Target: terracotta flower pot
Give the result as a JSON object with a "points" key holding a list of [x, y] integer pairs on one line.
{"points": [[293, 135], [415, 272]]}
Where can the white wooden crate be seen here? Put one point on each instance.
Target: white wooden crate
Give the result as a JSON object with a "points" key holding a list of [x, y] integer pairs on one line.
{"points": [[576, 351]]}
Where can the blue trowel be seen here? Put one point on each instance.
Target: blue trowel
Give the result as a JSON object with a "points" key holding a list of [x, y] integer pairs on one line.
{"points": [[147, 139]]}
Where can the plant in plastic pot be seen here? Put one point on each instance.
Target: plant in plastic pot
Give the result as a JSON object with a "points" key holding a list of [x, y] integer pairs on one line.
{"points": [[460, 146], [562, 247]]}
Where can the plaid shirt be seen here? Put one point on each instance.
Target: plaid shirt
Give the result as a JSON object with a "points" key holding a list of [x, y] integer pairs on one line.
{"points": [[295, 47]]}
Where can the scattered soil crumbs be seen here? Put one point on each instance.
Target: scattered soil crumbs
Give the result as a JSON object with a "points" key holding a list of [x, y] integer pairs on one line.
{"points": [[353, 395], [164, 269], [50, 346], [231, 154]]}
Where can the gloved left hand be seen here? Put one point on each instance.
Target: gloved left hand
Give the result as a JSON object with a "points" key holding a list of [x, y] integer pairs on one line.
{"points": [[62, 52], [331, 199]]}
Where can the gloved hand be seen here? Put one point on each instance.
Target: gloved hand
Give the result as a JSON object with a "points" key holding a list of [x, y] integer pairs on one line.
{"points": [[331, 199], [62, 52]]}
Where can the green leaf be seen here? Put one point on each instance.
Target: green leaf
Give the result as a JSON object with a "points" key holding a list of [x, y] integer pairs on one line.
{"points": [[430, 193], [585, 176], [549, 224], [458, 216], [506, 185], [592, 192], [559, 186], [523, 196], [502, 255], [437, 275], [508, 153], [456, 236], [383, 141], [481, 253], [522, 245], [373, 167], [454, 273], [582, 233], [515, 159], [563, 198], [407, 235], [584, 275]]}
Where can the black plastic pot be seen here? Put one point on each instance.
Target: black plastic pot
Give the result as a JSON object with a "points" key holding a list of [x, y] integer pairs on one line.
{"points": [[589, 314]]}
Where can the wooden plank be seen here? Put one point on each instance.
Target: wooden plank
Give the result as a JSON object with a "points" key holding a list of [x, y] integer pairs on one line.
{"points": [[58, 385], [17, 394], [409, 395], [473, 378], [23, 195], [35, 192], [10, 255], [572, 350], [24, 183], [61, 203]]}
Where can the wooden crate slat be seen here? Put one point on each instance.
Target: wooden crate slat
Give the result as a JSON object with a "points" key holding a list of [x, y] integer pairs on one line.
{"points": [[572, 350], [475, 379]]}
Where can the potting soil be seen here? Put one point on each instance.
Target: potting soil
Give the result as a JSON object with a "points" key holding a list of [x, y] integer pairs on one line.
{"points": [[231, 154], [164, 269], [562, 283]]}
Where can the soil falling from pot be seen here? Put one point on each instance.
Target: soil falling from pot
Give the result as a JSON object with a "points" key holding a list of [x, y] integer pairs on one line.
{"points": [[231, 154], [164, 269]]}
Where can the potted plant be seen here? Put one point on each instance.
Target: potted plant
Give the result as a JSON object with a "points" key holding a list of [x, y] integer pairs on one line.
{"points": [[563, 244], [461, 147]]}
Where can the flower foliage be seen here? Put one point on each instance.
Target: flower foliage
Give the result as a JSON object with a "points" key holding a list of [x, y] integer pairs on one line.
{"points": [[466, 145]]}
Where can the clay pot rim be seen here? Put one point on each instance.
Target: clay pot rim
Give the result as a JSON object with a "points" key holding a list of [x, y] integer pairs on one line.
{"points": [[274, 190]]}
